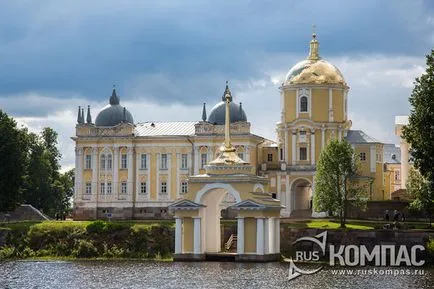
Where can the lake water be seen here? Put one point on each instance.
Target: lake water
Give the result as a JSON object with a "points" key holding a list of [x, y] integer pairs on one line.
{"points": [[129, 274]]}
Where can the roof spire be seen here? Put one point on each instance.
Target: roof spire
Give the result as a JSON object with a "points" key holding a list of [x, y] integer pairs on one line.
{"points": [[114, 99], [314, 46], [241, 110], [204, 112], [82, 116], [124, 116], [79, 115], [227, 91], [89, 117]]}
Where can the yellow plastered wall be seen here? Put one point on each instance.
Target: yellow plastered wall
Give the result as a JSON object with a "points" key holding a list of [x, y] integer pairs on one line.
{"points": [[187, 242], [250, 235], [289, 148], [290, 105], [153, 168], [318, 142], [173, 184], [320, 104], [338, 105]]}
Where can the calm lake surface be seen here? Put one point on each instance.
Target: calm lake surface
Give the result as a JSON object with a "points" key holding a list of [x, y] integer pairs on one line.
{"points": [[128, 274]]}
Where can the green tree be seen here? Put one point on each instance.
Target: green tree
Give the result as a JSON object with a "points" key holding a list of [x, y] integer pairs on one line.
{"points": [[419, 133], [418, 190], [13, 152], [336, 180]]}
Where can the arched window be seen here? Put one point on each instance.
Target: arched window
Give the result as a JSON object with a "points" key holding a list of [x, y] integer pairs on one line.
{"points": [[303, 104], [109, 162], [103, 162]]}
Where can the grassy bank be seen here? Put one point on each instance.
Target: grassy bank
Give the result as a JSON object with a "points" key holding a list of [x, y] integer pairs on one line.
{"points": [[87, 240]]}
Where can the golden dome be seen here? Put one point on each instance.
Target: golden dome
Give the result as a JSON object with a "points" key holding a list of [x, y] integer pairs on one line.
{"points": [[314, 70]]}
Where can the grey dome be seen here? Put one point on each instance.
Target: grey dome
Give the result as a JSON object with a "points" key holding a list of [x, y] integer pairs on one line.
{"points": [[218, 113], [114, 113]]}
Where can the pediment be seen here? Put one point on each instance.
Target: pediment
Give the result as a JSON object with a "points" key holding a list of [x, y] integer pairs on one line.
{"points": [[248, 204], [185, 205]]}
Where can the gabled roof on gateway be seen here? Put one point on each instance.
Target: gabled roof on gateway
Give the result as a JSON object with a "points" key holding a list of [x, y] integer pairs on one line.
{"points": [[359, 137], [174, 128]]}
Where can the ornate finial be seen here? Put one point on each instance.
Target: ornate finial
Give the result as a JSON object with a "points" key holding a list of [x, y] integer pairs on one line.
{"points": [[89, 117], [124, 118], [79, 115], [314, 46], [114, 99], [241, 110], [204, 112], [227, 92]]}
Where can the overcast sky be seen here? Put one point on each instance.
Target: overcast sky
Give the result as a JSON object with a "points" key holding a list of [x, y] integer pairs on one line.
{"points": [[168, 57]]}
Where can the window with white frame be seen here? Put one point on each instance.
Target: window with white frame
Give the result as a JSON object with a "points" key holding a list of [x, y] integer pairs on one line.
{"points": [[88, 188], [163, 188], [109, 162], [303, 104], [303, 154], [241, 156], [184, 161], [103, 162], [203, 160], [163, 164], [88, 161], [184, 187], [397, 175], [109, 188], [124, 188], [362, 156], [124, 162], [143, 161], [102, 188], [270, 157], [143, 187]]}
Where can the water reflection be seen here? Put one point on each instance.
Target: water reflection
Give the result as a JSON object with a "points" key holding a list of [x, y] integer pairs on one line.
{"points": [[127, 274]]}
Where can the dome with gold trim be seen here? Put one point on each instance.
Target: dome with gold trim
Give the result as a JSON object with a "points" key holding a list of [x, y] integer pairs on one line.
{"points": [[314, 70]]}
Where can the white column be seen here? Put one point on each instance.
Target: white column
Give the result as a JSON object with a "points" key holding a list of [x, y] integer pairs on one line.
{"points": [[312, 147], [189, 163], [404, 163], [285, 148], [178, 164], [130, 153], [115, 187], [178, 235], [78, 171], [247, 152], [157, 179], [169, 177], [267, 235], [330, 104], [373, 156], [277, 235], [240, 235], [260, 236], [95, 178], [287, 202], [138, 161], [196, 160], [196, 236], [148, 175], [322, 138], [294, 147], [340, 134]]}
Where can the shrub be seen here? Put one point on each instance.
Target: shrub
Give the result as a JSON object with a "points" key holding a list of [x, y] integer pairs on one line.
{"points": [[85, 249], [96, 227], [7, 253], [430, 250]]}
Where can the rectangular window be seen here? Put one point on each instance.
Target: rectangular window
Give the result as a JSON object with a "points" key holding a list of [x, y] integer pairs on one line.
{"points": [[281, 154], [184, 187], [102, 188], [102, 162], [303, 154], [109, 162], [241, 156], [379, 158], [88, 188], [397, 176], [109, 188], [270, 157], [362, 157], [143, 187], [163, 164], [124, 188], [88, 164], [203, 160], [163, 188], [124, 164], [143, 161], [184, 161]]}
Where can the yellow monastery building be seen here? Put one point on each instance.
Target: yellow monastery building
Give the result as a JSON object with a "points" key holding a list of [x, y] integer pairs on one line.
{"points": [[136, 170]]}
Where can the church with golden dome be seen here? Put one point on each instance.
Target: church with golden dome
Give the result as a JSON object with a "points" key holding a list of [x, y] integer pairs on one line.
{"points": [[128, 170]]}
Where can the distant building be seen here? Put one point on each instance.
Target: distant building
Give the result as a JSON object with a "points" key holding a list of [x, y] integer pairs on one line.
{"points": [[135, 170]]}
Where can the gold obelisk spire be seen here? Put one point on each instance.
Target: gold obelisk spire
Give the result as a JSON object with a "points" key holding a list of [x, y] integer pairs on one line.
{"points": [[228, 145]]}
